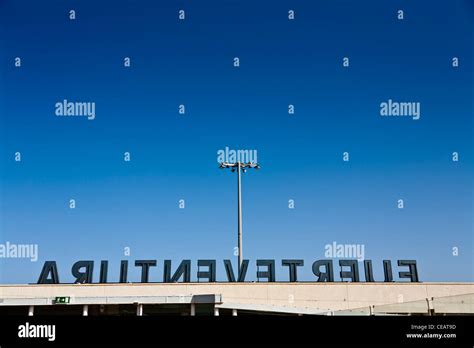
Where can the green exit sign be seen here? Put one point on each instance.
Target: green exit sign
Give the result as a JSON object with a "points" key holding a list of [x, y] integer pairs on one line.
{"points": [[61, 300]]}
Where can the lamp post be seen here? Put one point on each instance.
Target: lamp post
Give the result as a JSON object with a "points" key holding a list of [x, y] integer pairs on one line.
{"points": [[239, 166]]}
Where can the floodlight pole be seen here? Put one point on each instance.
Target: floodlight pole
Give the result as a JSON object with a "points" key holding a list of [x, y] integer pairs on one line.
{"points": [[239, 215], [239, 166]]}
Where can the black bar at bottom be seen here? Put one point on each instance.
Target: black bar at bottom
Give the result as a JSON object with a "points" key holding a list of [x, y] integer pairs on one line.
{"points": [[258, 329]]}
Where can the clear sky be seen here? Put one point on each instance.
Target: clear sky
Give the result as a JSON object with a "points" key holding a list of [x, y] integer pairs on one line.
{"points": [[135, 204]]}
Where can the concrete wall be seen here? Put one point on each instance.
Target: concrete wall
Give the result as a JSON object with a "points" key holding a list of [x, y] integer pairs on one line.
{"points": [[304, 297]]}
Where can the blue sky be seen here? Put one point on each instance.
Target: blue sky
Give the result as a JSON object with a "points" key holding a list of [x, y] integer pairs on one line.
{"points": [[135, 204]]}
